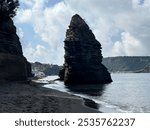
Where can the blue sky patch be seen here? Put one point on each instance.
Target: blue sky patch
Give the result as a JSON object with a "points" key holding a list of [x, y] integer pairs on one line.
{"points": [[53, 2], [117, 36], [141, 2]]}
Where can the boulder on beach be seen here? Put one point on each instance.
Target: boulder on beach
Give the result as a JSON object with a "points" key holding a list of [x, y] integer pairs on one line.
{"points": [[82, 56]]}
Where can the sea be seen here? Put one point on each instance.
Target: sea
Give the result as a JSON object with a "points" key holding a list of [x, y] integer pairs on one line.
{"points": [[128, 93]]}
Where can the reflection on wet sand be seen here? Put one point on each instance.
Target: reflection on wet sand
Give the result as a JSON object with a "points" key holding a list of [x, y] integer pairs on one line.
{"points": [[90, 90]]}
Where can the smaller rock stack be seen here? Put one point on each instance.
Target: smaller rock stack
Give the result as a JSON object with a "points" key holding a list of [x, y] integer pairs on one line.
{"points": [[13, 65], [82, 56]]}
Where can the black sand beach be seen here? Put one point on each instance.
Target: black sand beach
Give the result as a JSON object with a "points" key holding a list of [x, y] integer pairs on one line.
{"points": [[33, 98]]}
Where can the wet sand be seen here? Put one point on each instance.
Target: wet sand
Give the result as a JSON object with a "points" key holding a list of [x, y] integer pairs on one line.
{"points": [[33, 98]]}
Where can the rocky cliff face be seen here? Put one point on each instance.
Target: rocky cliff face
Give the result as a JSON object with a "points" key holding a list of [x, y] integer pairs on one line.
{"points": [[47, 69], [82, 56], [13, 65]]}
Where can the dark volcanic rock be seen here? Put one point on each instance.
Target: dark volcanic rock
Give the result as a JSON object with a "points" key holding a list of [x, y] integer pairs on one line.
{"points": [[82, 56], [13, 65]]}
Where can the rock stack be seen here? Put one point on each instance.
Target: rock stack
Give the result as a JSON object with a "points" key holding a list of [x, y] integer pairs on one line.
{"points": [[13, 65], [82, 56]]}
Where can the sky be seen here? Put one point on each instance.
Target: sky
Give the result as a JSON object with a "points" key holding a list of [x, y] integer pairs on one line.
{"points": [[121, 26]]}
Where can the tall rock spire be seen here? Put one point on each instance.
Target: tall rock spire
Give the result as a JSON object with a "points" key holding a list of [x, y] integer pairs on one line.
{"points": [[13, 65], [83, 56]]}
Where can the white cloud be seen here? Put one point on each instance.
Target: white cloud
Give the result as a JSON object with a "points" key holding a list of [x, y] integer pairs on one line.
{"points": [[24, 16], [27, 2], [128, 46], [42, 54], [106, 18], [53, 24], [36, 53], [147, 4], [50, 24]]}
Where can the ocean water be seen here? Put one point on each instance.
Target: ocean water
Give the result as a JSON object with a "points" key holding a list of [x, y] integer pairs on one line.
{"points": [[128, 93]]}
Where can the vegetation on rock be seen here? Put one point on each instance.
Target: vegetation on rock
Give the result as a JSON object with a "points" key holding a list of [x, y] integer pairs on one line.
{"points": [[8, 8]]}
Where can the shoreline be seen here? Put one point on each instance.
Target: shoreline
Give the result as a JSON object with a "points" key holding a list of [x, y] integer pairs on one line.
{"points": [[33, 98]]}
